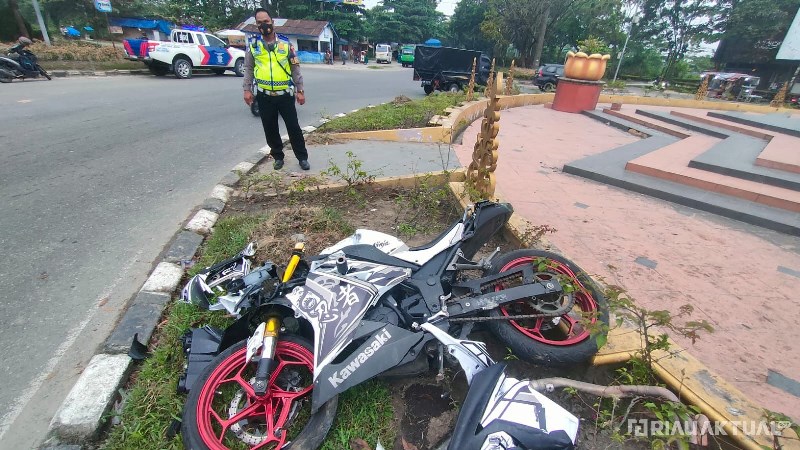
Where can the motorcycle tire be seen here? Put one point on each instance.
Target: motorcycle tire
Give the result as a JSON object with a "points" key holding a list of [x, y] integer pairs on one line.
{"points": [[43, 72], [545, 341], [6, 76], [216, 391]]}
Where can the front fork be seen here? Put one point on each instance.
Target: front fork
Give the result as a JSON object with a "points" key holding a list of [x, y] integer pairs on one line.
{"points": [[266, 335], [266, 339]]}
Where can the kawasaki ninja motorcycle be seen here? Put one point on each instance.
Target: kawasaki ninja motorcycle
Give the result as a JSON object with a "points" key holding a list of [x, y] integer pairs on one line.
{"points": [[370, 306]]}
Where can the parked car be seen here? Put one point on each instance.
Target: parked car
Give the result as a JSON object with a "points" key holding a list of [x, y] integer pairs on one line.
{"points": [[547, 76]]}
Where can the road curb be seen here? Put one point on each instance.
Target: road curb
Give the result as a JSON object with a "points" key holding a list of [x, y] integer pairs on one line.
{"points": [[76, 421]]}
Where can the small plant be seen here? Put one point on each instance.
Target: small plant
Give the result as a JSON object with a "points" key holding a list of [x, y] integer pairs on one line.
{"points": [[533, 234], [298, 187], [407, 229], [260, 182], [592, 45], [352, 174], [615, 85]]}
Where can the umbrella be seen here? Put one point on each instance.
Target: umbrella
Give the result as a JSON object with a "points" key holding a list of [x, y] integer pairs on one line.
{"points": [[433, 43], [73, 32]]}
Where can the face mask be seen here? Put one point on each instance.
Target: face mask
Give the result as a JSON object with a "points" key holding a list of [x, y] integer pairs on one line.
{"points": [[265, 28]]}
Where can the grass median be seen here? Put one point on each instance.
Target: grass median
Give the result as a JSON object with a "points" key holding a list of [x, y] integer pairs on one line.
{"points": [[402, 112]]}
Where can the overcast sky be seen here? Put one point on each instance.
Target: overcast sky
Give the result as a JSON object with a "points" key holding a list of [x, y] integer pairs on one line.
{"points": [[445, 6]]}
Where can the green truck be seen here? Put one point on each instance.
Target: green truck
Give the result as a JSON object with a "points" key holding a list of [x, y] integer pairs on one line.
{"points": [[406, 55]]}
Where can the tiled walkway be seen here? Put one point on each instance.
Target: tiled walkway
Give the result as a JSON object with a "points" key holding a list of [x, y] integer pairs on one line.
{"points": [[743, 279]]}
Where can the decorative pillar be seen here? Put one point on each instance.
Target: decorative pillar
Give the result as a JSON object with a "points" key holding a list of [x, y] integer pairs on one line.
{"points": [[579, 89], [480, 173], [780, 97], [471, 89], [510, 81], [702, 91]]}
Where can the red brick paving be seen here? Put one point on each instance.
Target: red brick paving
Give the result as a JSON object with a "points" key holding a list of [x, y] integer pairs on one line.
{"points": [[726, 269]]}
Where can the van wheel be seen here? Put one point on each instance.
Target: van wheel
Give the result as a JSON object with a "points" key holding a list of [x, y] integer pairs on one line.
{"points": [[428, 89], [182, 68]]}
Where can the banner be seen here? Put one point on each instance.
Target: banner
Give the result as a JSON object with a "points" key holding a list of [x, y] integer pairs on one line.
{"points": [[354, 2], [103, 5], [114, 30]]}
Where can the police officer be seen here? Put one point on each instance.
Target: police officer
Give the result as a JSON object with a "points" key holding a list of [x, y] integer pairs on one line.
{"points": [[272, 61]]}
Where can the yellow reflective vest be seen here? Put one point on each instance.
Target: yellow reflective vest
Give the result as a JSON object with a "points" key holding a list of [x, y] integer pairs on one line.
{"points": [[272, 70]]}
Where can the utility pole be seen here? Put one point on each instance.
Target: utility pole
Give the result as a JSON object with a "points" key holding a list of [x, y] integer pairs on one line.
{"points": [[634, 21], [41, 21]]}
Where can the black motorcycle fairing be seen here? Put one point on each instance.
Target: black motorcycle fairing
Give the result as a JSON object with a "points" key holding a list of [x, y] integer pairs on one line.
{"points": [[468, 435], [369, 253], [487, 220], [385, 346]]}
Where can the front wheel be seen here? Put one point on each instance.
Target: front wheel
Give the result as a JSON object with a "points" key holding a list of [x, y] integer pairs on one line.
{"points": [[428, 89], [454, 87], [223, 412], [549, 87], [43, 72], [560, 341]]}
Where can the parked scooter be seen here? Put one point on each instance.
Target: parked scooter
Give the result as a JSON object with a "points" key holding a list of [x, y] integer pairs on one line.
{"points": [[20, 63]]}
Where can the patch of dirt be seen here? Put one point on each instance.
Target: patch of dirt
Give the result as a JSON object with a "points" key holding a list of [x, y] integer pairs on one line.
{"points": [[401, 99], [323, 139]]}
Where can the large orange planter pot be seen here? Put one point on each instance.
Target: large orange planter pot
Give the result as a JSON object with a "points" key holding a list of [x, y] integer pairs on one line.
{"points": [[580, 66]]}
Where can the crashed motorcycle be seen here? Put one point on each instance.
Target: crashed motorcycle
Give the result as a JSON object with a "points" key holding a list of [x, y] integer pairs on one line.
{"points": [[371, 306], [20, 63]]}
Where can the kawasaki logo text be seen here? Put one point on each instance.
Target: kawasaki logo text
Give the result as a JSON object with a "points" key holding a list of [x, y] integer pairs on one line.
{"points": [[380, 339]]}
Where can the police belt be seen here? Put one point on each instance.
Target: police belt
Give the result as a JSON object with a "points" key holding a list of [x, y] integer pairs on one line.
{"points": [[274, 93]]}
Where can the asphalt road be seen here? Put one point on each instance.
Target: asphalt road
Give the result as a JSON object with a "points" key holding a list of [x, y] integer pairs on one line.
{"points": [[96, 174]]}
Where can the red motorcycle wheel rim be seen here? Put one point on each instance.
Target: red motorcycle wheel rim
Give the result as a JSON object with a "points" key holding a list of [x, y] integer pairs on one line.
{"points": [[272, 410], [575, 332]]}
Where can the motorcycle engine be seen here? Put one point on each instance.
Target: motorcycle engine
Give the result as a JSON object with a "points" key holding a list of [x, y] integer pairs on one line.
{"points": [[383, 314]]}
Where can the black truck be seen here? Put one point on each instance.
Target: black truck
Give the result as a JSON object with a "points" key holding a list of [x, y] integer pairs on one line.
{"points": [[448, 69]]}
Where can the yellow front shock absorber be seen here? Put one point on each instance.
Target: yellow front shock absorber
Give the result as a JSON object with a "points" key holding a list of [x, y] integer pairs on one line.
{"points": [[264, 368], [297, 253]]}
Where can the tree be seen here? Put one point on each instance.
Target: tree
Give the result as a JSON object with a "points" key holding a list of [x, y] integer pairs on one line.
{"points": [[755, 29], [14, 6], [405, 21], [465, 25], [682, 24]]}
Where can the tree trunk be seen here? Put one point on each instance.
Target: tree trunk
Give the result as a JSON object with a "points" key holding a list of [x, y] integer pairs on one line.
{"points": [[537, 56], [18, 17]]}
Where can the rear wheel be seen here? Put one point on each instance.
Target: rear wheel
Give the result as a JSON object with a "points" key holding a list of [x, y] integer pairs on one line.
{"points": [[549, 87], [223, 412], [454, 87], [6, 76], [564, 340], [182, 68], [238, 67], [428, 89]]}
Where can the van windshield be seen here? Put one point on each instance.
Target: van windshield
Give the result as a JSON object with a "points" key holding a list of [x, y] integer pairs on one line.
{"points": [[383, 48]]}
